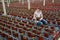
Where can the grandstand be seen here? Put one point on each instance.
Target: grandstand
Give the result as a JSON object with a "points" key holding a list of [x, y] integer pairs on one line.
{"points": [[16, 20]]}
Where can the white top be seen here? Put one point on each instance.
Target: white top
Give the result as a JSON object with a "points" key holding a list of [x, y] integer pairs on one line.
{"points": [[38, 13]]}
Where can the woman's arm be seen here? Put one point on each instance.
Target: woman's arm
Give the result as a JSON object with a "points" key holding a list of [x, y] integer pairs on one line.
{"points": [[34, 17], [41, 16]]}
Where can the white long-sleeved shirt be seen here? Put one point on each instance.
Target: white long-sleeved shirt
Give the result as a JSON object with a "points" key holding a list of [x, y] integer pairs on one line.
{"points": [[38, 14]]}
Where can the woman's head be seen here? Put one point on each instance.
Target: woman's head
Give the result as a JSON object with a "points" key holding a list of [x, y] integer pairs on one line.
{"points": [[37, 10]]}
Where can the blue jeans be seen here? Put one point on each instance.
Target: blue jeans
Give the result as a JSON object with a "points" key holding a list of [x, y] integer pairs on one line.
{"points": [[41, 22]]}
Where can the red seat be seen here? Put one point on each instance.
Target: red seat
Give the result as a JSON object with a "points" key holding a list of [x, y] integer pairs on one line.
{"points": [[14, 28], [10, 38], [8, 26], [19, 16], [21, 31], [52, 28], [47, 30], [59, 23], [2, 23], [39, 28], [16, 22], [24, 21], [28, 25], [13, 19], [42, 26], [54, 22], [31, 34], [3, 35], [19, 20], [25, 38], [34, 31], [51, 32], [2, 28], [17, 26], [30, 18], [41, 38], [46, 34], [24, 28], [38, 32], [9, 23], [48, 21], [9, 32], [15, 34], [0, 19], [0, 33], [14, 14], [31, 23], [24, 16], [35, 27], [10, 20], [6, 29], [22, 24]]}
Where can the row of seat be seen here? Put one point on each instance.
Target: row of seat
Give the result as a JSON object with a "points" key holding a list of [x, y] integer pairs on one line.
{"points": [[14, 28], [55, 16]]}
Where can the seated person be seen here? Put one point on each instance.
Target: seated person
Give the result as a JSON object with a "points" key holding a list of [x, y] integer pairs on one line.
{"points": [[38, 18]]}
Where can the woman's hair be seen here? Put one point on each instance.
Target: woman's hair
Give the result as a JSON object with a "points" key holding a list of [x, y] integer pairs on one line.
{"points": [[37, 18]]}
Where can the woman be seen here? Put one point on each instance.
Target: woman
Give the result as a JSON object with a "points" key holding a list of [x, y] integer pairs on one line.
{"points": [[38, 18]]}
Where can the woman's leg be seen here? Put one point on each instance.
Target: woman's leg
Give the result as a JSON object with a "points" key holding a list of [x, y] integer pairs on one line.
{"points": [[44, 22], [39, 23]]}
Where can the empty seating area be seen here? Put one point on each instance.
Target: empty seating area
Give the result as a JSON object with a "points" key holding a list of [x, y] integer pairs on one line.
{"points": [[13, 29]]}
